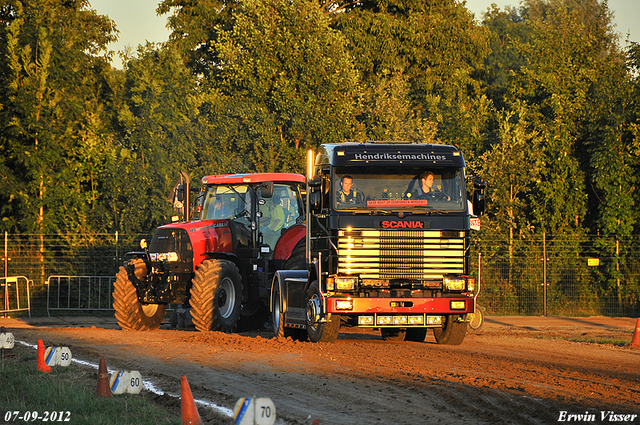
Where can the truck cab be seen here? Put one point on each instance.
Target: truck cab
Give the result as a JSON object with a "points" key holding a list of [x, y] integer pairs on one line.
{"points": [[388, 244]]}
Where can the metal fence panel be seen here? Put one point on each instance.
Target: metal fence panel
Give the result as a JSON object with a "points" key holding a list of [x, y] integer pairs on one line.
{"points": [[15, 294], [79, 293]]}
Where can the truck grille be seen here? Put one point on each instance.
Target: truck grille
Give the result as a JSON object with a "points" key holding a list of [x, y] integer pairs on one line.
{"points": [[399, 254]]}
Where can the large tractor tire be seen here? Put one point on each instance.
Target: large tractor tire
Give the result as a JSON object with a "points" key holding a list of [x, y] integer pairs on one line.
{"points": [[320, 332], [132, 315], [298, 258], [452, 332], [216, 296]]}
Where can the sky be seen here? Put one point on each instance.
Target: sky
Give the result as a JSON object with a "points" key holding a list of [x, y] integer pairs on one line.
{"points": [[138, 23]]}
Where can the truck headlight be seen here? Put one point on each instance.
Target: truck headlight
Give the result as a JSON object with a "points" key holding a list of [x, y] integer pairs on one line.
{"points": [[454, 283], [344, 304], [345, 283]]}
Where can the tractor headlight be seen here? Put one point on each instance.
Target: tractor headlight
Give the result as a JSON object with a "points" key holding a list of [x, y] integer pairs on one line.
{"points": [[164, 256], [454, 283]]}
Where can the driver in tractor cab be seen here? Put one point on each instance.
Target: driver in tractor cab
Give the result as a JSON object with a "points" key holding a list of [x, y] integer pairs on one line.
{"points": [[276, 221], [220, 210]]}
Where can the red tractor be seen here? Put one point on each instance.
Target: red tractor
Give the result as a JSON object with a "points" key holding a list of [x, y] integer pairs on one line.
{"points": [[220, 266]]}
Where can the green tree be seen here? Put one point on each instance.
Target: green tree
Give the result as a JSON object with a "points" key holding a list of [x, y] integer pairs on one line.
{"points": [[437, 48], [282, 78], [160, 133], [54, 136]]}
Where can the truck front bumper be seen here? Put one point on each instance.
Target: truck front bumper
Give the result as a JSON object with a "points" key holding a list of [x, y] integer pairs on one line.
{"points": [[400, 312]]}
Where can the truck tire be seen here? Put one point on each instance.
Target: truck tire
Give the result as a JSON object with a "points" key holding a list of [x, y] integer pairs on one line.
{"points": [[452, 332], [132, 315], [277, 318], [416, 334], [216, 296], [393, 334], [476, 320], [320, 332]]}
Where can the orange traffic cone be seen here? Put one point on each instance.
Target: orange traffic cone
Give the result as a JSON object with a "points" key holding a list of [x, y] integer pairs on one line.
{"points": [[42, 365], [190, 415], [635, 341], [103, 380]]}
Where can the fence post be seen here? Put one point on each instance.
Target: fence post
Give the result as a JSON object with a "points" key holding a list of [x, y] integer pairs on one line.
{"points": [[6, 254], [6, 270], [544, 271], [117, 259]]}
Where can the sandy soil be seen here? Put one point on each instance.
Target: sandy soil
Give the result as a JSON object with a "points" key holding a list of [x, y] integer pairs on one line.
{"points": [[500, 374]]}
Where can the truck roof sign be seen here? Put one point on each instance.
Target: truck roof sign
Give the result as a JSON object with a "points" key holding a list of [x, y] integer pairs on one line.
{"points": [[405, 154]]}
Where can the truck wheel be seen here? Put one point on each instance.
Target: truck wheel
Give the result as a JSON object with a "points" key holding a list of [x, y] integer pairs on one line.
{"points": [[416, 334], [277, 318], [132, 315], [393, 334], [452, 332], [319, 332], [476, 320], [216, 296]]}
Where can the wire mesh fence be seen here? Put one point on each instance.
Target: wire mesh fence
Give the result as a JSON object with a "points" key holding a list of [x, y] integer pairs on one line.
{"points": [[41, 257], [559, 276], [545, 275]]}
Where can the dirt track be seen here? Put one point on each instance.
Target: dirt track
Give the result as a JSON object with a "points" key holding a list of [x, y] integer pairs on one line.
{"points": [[500, 374]]}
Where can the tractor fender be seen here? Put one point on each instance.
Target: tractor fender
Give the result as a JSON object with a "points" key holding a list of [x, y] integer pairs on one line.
{"points": [[288, 241]]}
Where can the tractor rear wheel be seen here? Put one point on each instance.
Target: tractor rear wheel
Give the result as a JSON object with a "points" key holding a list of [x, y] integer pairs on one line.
{"points": [[216, 296], [132, 315]]}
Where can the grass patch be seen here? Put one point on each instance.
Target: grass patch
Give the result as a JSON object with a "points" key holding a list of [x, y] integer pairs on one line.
{"points": [[620, 342], [69, 389], [592, 340]]}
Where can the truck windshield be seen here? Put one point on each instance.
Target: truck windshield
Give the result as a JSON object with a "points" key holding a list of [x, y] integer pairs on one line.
{"points": [[399, 188]]}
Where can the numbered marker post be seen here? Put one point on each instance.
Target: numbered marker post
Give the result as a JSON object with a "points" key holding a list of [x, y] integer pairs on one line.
{"points": [[254, 411], [7, 340], [65, 357], [57, 356], [125, 382]]}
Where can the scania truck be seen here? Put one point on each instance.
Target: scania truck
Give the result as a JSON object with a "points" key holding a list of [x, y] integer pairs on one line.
{"points": [[387, 245]]}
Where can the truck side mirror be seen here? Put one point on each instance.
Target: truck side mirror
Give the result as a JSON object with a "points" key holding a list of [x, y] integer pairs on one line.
{"points": [[315, 195], [266, 190], [179, 193], [478, 199]]}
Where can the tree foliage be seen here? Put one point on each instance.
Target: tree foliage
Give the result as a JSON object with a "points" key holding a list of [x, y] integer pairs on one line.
{"points": [[540, 97], [54, 137]]}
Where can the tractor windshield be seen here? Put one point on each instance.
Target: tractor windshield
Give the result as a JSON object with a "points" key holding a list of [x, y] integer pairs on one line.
{"points": [[399, 188], [228, 201]]}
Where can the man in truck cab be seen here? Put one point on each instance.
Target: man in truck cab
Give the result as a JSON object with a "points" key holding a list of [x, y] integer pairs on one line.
{"points": [[347, 194], [426, 189]]}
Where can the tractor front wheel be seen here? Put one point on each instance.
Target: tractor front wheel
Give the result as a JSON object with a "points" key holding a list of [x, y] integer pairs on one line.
{"points": [[132, 315]]}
